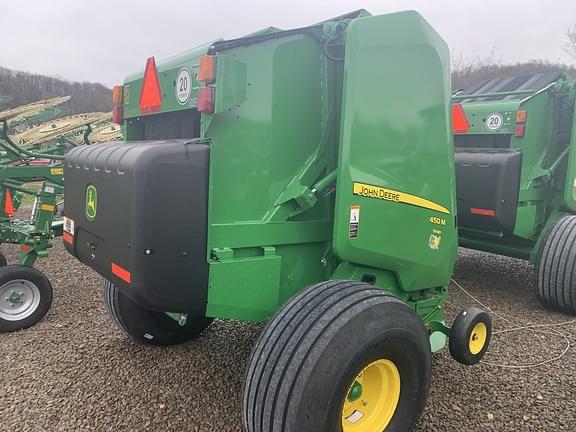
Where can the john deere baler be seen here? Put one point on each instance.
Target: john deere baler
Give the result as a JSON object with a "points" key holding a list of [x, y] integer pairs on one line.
{"points": [[305, 177], [516, 176]]}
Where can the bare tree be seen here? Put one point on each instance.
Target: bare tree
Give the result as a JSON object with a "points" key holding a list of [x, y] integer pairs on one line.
{"points": [[570, 44]]}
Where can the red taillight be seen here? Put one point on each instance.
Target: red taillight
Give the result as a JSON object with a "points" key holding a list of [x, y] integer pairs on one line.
{"points": [[151, 95], [206, 99], [117, 115], [520, 131], [459, 120]]}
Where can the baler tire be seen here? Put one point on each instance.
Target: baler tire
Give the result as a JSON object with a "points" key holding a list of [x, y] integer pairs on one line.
{"points": [[310, 356], [470, 336], [556, 267], [149, 327], [32, 291]]}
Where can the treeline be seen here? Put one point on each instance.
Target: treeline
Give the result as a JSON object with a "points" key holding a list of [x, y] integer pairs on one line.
{"points": [[464, 75], [24, 87]]}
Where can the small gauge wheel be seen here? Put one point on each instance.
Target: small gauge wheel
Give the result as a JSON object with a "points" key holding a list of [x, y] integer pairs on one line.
{"points": [[470, 336]]}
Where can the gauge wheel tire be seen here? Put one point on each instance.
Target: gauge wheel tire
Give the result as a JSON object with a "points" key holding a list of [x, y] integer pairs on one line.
{"points": [[324, 343], [25, 297], [150, 327], [556, 267], [470, 336]]}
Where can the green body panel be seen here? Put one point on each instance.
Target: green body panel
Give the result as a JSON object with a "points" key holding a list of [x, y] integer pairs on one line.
{"points": [[299, 116], [247, 282], [548, 169], [396, 137], [259, 152]]}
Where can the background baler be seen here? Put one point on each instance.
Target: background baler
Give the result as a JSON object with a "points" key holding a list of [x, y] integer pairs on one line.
{"points": [[304, 177], [515, 146]]}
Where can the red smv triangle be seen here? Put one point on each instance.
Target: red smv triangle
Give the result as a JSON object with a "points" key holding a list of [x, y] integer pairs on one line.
{"points": [[151, 95], [459, 120]]}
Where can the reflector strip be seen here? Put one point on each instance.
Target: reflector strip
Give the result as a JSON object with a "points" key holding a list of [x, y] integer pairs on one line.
{"points": [[121, 273], [68, 238], [25, 248], [459, 120], [482, 212]]}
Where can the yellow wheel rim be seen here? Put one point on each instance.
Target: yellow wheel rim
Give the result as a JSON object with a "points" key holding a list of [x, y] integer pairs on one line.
{"points": [[372, 398], [478, 338]]}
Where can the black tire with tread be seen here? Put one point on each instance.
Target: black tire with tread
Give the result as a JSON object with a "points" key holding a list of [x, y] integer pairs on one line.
{"points": [[556, 267], [310, 352], [12, 272], [149, 327], [459, 342]]}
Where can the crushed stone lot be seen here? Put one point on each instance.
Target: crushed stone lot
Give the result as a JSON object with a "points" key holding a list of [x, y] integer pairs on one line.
{"points": [[75, 371]]}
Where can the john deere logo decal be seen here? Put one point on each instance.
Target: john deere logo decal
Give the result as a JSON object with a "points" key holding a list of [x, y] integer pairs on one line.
{"points": [[91, 202]]}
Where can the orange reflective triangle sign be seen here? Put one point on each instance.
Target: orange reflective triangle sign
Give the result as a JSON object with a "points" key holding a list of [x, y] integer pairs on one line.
{"points": [[459, 120], [151, 95], [8, 204]]}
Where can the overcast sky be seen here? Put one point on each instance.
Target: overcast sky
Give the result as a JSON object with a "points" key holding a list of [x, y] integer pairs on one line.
{"points": [[104, 40]]}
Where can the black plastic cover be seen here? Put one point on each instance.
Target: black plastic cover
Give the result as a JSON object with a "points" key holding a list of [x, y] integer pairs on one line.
{"points": [[151, 219], [487, 186]]}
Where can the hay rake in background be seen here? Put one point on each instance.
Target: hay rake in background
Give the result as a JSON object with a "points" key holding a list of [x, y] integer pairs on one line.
{"points": [[31, 169]]}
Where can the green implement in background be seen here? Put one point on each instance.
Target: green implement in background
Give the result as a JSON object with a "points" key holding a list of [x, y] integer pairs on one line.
{"points": [[516, 174], [31, 172]]}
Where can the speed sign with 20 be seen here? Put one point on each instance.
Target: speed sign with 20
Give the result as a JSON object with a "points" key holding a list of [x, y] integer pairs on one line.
{"points": [[183, 87], [494, 121]]}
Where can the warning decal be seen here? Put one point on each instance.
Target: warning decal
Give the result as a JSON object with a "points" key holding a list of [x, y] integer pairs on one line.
{"points": [[380, 193], [354, 222]]}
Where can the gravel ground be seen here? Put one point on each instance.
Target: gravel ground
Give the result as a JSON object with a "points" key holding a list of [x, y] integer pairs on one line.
{"points": [[76, 372]]}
